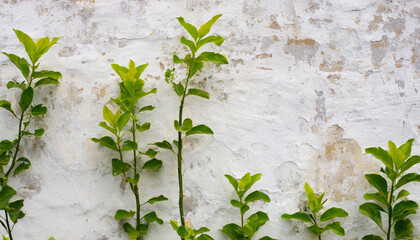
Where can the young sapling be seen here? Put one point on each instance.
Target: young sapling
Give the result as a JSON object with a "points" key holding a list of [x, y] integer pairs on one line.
{"points": [[390, 199], [194, 62], [125, 120], [247, 229], [27, 112], [315, 205]]}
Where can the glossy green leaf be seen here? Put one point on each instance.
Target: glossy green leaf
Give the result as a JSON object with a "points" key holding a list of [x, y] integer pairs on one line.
{"points": [[169, 75], [404, 206], [254, 222], [24, 165], [43, 45], [26, 98], [189, 27], [164, 144], [204, 237], [236, 203], [396, 154], [333, 213], [205, 28], [382, 155], [129, 146], [48, 74], [157, 199], [186, 126], [217, 40], [14, 210], [243, 209], [189, 43], [153, 164], [150, 153], [257, 196], [200, 129], [119, 167], [410, 177], [179, 88], [4, 159], [39, 132], [404, 229], [232, 181], [140, 69], [6, 145], [377, 197], [409, 163], [106, 142], [144, 127], [402, 193], [21, 63], [314, 202], [104, 125], [38, 110], [146, 108], [297, 216], [152, 217], [6, 105], [29, 44], [6, 194], [14, 84], [123, 120], [406, 147], [378, 182], [212, 57], [336, 228], [233, 231], [182, 231], [371, 237], [46, 81], [198, 92], [372, 210], [123, 214], [267, 238], [132, 232]]}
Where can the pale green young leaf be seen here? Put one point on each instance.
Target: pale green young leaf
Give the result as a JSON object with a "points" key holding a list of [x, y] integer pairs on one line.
{"points": [[396, 154], [217, 40], [47, 73], [409, 163], [43, 45], [406, 147], [140, 69], [185, 127], [205, 28], [29, 44], [189, 27], [123, 214], [189, 44], [382, 155], [123, 120], [372, 210], [212, 57], [244, 181], [21, 63], [104, 125], [232, 181], [297, 216], [333, 213]]}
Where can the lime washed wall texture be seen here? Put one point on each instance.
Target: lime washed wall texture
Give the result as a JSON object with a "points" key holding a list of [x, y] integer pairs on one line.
{"points": [[310, 84]]}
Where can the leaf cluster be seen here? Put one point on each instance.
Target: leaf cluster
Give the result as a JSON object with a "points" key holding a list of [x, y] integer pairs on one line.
{"points": [[27, 111], [188, 233], [254, 221], [315, 205], [131, 91], [390, 198]]}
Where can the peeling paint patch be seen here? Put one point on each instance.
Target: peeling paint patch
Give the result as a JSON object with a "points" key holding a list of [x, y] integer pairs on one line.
{"points": [[302, 49], [379, 49]]}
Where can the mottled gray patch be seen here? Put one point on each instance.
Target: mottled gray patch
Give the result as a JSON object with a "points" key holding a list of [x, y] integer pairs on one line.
{"points": [[321, 110], [301, 49], [378, 49]]}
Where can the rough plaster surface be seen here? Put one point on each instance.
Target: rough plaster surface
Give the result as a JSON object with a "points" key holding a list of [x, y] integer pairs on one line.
{"points": [[310, 85]]}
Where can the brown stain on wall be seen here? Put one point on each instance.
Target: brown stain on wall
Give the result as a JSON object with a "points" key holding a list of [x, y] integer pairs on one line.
{"points": [[338, 169], [301, 48], [336, 66], [378, 49]]}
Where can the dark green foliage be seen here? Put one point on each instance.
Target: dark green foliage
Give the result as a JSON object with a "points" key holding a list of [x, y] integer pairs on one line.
{"points": [[254, 221], [390, 198], [315, 205], [185, 127], [125, 119], [27, 111]]}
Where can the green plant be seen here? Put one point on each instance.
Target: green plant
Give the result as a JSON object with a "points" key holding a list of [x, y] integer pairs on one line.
{"points": [[194, 63], [131, 91], [27, 112], [254, 221], [189, 233], [315, 205], [397, 161]]}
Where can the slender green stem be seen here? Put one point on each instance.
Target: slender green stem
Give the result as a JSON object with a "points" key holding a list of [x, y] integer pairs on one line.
{"points": [[388, 236], [9, 230], [17, 146], [136, 186]]}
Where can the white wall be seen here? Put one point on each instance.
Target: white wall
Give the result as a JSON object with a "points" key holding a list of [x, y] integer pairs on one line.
{"points": [[310, 84]]}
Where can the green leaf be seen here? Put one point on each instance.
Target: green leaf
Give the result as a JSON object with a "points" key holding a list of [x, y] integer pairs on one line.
{"points": [[6, 146], [371, 237], [202, 230], [244, 209], [333, 213], [204, 237], [4, 159], [14, 84], [205, 28], [198, 92], [43, 45], [190, 28], [236, 203], [46, 81], [153, 164], [232, 181], [402, 193], [403, 229], [376, 196], [336, 228], [26, 98], [212, 57], [168, 74], [382, 155], [254, 222], [233, 231], [140, 69], [123, 120], [157, 199], [174, 225], [129, 146], [189, 43], [404, 206], [6, 105], [396, 154], [152, 217], [38, 110], [39, 132], [21, 63], [297, 216], [29, 44], [14, 210], [104, 125], [25, 164], [119, 167], [185, 127], [106, 142], [244, 181], [132, 232], [257, 195], [372, 210], [110, 117], [150, 153], [6, 194], [313, 202], [200, 129], [409, 163], [217, 40], [410, 177], [267, 238], [146, 108], [164, 144], [144, 127], [179, 88], [123, 214], [406, 147], [48, 74], [135, 180], [378, 182]]}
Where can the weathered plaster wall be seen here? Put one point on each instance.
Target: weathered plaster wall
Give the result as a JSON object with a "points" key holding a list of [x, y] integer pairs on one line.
{"points": [[310, 85]]}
